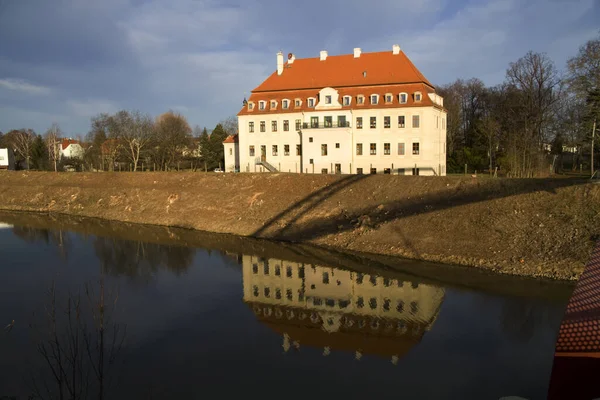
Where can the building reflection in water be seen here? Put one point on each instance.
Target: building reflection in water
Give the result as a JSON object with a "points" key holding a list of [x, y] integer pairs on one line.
{"points": [[336, 309]]}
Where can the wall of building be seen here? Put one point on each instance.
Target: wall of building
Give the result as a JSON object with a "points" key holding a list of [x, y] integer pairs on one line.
{"points": [[430, 135], [7, 159], [73, 150], [232, 157]]}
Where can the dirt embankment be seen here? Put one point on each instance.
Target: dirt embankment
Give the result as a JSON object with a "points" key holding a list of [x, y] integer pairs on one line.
{"points": [[524, 227]]}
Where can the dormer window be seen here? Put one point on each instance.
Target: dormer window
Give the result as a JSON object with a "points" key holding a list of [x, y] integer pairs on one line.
{"points": [[418, 96], [374, 99], [298, 102], [250, 106], [311, 102], [285, 104], [327, 99], [347, 100], [403, 98], [273, 104], [389, 98], [261, 105], [360, 99]]}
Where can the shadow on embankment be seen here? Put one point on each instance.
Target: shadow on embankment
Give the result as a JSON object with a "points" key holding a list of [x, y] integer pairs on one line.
{"points": [[459, 195]]}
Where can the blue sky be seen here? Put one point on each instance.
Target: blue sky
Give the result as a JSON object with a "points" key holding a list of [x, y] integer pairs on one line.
{"points": [[66, 60]]}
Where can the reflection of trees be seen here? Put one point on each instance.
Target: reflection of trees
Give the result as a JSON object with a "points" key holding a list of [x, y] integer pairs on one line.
{"points": [[139, 259], [57, 238], [521, 319]]}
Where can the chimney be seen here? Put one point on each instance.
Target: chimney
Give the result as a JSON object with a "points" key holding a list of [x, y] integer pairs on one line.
{"points": [[323, 55], [356, 52], [395, 49], [279, 63]]}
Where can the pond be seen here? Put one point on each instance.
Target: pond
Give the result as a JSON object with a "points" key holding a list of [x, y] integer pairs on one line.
{"points": [[158, 313]]}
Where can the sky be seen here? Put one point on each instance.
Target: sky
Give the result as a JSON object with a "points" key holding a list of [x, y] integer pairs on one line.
{"points": [[65, 61]]}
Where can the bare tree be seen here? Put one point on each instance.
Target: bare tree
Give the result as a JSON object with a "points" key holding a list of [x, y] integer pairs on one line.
{"points": [[135, 132], [230, 125], [21, 140], [173, 136], [52, 139]]}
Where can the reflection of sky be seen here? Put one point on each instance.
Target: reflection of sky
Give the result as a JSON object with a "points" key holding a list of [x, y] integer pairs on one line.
{"points": [[191, 335]]}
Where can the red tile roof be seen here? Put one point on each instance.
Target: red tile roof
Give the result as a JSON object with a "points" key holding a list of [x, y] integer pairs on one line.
{"points": [[354, 92], [67, 142], [231, 139], [381, 68]]}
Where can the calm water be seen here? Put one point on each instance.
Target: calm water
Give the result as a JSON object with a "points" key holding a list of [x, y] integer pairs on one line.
{"points": [[196, 323]]}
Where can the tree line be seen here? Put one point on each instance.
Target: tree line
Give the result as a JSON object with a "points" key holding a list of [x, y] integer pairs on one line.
{"points": [[128, 140], [523, 124]]}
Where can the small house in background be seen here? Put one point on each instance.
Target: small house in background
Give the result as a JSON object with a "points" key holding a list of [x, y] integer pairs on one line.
{"points": [[7, 159], [71, 148], [232, 154]]}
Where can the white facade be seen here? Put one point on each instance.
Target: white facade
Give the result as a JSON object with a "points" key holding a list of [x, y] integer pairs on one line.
{"points": [[232, 157], [73, 150], [342, 152], [7, 159]]}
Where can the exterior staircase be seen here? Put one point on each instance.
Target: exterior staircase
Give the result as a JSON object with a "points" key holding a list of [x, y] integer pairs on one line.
{"points": [[264, 163]]}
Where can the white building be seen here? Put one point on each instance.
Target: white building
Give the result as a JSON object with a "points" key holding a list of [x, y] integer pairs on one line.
{"points": [[355, 113], [71, 148], [7, 159], [232, 154]]}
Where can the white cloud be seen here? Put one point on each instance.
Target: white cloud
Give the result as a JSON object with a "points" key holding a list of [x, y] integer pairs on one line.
{"points": [[91, 107], [21, 85]]}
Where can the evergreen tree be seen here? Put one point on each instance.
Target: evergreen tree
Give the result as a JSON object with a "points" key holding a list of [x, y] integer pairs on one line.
{"points": [[39, 154], [217, 136], [205, 147]]}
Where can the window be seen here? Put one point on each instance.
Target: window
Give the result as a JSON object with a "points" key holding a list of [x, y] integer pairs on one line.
{"points": [[401, 171], [278, 294], [230, 152], [418, 96], [403, 98], [373, 280], [360, 302], [386, 149], [373, 303], [401, 121], [286, 149], [250, 106], [388, 98], [301, 272], [261, 105], [387, 171], [415, 148], [360, 99], [310, 140], [262, 126], [266, 269], [413, 307], [251, 127], [415, 171], [400, 149], [267, 292], [285, 104], [359, 171], [359, 149], [273, 104], [347, 100], [373, 149], [311, 102], [251, 151], [286, 125], [400, 306], [374, 98], [274, 149], [373, 122], [358, 122], [327, 99], [337, 145], [415, 121], [298, 124], [338, 170], [326, 278], [277, 270], [288, 294], [328, 122], [341, 121], [298, 102], [324, 171], [255, 269], [323, 149], [311, 161], [273, 126], [255, 290], [314, 122], [288, 271], [386, 122], [298, 149], [317, 301], [386, 304]]}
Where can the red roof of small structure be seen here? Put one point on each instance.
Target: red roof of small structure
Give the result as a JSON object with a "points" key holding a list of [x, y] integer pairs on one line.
{"points": [[231, 139], [67, 142]]}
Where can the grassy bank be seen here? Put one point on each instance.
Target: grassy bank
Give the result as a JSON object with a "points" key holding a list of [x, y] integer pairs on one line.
{"points": [[523, 227]]}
